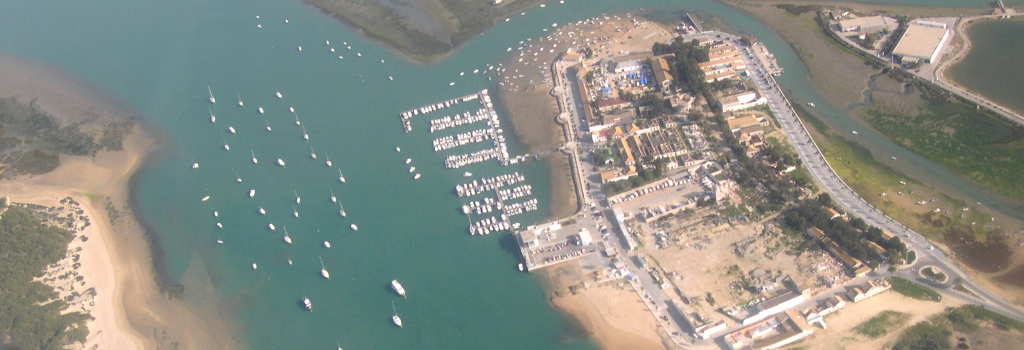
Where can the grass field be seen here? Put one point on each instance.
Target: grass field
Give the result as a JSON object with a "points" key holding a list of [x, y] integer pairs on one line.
{"points": [[984, 147], [914, 290], [882, 324]]}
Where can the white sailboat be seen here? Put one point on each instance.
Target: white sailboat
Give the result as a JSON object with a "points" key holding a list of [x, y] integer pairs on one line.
{"points": [[298, 199], [398, 288], [323, 270], [240, 102], [305, 135], [287, 238], [334, 198], [394, 316], [341, 210], [213, 117], [212, 99], [341, 177], [254, 159], [295, 212], [328, 163]]}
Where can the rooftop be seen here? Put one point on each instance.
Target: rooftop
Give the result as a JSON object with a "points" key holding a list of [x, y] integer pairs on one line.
{"points": [[920, 40]]}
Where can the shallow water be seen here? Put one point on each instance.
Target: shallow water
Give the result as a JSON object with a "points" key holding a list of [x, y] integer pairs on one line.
{"points": [[464, 293]]}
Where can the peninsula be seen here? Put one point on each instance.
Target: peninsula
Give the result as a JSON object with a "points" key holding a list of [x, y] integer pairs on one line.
{"points": [[68, 156], [706, 205]]}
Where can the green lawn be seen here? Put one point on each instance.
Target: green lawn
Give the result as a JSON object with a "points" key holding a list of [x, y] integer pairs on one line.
{"points": [[882, 324], [913, 290]]}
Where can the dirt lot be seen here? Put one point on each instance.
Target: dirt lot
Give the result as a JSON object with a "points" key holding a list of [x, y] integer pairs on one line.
{"points": [[718, 259]]}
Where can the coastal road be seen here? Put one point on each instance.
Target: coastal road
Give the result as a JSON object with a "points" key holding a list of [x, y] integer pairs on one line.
{"points": [[847, 198]]}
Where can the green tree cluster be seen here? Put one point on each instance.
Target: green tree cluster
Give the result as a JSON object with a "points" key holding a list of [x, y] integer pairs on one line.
{"points": [[30, 311], [852, 235]]}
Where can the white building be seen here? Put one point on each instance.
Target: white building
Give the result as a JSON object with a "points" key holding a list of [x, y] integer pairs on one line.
{"points": [[741, 101], [923, 41]]}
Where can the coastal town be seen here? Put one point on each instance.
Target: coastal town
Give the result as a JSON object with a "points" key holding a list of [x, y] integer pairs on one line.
{"points": [[597, 174], [696, 186]]}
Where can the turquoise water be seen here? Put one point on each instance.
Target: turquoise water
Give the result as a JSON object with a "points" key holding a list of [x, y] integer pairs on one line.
{"points": [[159, 56]]}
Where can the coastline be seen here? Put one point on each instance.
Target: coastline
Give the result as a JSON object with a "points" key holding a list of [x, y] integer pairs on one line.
{"points": [[131, 312]]}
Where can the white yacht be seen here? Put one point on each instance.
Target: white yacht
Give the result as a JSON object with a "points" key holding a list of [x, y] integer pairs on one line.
{"points": [[272, 227], [353, 227], [269, 129], [300, 48], [307, 304], [280, 162], [323, 270], [260, 109], [195, 165], [216, 214], [210, 91], [417, 176], [220, 241], [398, 288], [408, 160], [278, 94], [412, 169], [287, 238], [391, 78], [252, 192], [231, 129], [227, 147], [254, 266], [291, 109], [205, 198], [394, 316], [855, 132], [467, 174], [220, 225], [521, 267], [262, 211], [398, 149], [327, 244]]}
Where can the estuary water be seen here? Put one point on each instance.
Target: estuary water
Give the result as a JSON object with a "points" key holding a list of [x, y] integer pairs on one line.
{"points": [[994, 75], [159, 57]]}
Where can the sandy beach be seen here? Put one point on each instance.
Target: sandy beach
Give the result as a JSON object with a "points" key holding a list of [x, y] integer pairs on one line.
{"points": [[129, 311]]}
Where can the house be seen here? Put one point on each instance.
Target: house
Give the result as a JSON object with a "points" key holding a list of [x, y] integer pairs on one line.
{"points": [[742, 100], [771, 333], [863, 25], [724, 62], [869, 289], [709, 330], [662, 73], [612, 104], [776, 304]]}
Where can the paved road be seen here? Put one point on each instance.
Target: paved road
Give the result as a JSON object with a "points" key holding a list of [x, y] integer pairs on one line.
{"points": [[592, 200], [847, 198]]}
